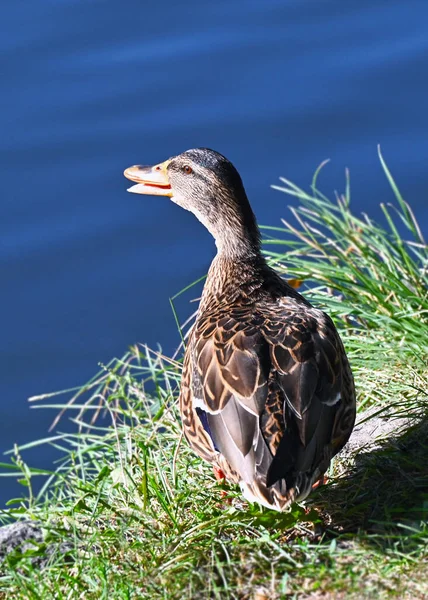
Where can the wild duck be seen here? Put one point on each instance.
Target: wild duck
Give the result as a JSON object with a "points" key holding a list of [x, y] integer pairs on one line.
{"points": [[267, 394]]}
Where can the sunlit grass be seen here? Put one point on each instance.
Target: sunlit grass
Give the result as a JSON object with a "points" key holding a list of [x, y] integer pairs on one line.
{"points": [[133, 513]]}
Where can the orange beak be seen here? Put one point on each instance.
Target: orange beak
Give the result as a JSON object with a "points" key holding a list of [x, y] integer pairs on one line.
{"points": [[153, 181]]}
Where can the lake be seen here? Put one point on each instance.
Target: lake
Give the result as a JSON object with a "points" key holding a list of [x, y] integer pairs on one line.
{"points": [[90, 87]]}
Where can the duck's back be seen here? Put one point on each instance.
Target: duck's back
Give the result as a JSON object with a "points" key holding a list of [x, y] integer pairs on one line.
{"points": [[267, 393]]}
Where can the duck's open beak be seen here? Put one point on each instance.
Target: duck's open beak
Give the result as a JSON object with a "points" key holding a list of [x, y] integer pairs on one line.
{"points": [[153, 181]]}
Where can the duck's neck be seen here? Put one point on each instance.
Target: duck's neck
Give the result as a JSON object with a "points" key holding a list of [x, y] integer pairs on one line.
{"points": [[239, 269], [236, 236], [232, 223], [232, 277]]}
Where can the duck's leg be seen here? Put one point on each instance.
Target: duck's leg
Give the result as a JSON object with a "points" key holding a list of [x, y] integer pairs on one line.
{"points": [[219, 474], [321, 481], [221, 479]]}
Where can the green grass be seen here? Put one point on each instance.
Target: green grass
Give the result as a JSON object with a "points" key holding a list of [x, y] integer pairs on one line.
{"points": [[143, 517]]}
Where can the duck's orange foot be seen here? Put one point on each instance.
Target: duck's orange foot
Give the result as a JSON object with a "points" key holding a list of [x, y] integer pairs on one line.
{"points": [[221, 478], [219, 474], [321, 481]]}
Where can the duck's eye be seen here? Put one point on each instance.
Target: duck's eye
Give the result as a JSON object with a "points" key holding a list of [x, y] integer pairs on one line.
{"points": [[187, 169]]}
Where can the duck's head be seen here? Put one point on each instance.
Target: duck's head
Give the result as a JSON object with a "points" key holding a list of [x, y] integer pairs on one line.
{"points": [[207, 184]]}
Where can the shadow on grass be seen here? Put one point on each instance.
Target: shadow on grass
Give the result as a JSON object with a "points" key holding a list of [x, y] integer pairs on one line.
{"points": [[384, 498]]}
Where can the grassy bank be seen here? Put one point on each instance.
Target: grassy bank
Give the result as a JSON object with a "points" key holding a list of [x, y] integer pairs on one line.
{"points": [[134, 514]]}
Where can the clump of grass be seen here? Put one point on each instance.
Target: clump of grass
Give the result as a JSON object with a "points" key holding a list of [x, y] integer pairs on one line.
{"points": [[134, 513]]}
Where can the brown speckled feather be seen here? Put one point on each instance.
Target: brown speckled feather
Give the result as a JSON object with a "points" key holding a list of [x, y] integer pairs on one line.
{"points": [[268, 385]]}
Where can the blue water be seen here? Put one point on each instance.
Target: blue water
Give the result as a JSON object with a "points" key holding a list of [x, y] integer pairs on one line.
{"points": [[90, 87]]}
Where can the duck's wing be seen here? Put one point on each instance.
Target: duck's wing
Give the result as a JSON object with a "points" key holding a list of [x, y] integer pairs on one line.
{"points": [[230, 387], [318, 400], [195, 427], [267, 384]]}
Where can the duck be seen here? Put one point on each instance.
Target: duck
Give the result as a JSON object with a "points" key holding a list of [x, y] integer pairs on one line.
{"points": [[267, 394]]}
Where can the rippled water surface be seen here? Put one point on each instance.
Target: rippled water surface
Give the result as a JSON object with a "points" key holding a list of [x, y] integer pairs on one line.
{"points": [[89, 87]]}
